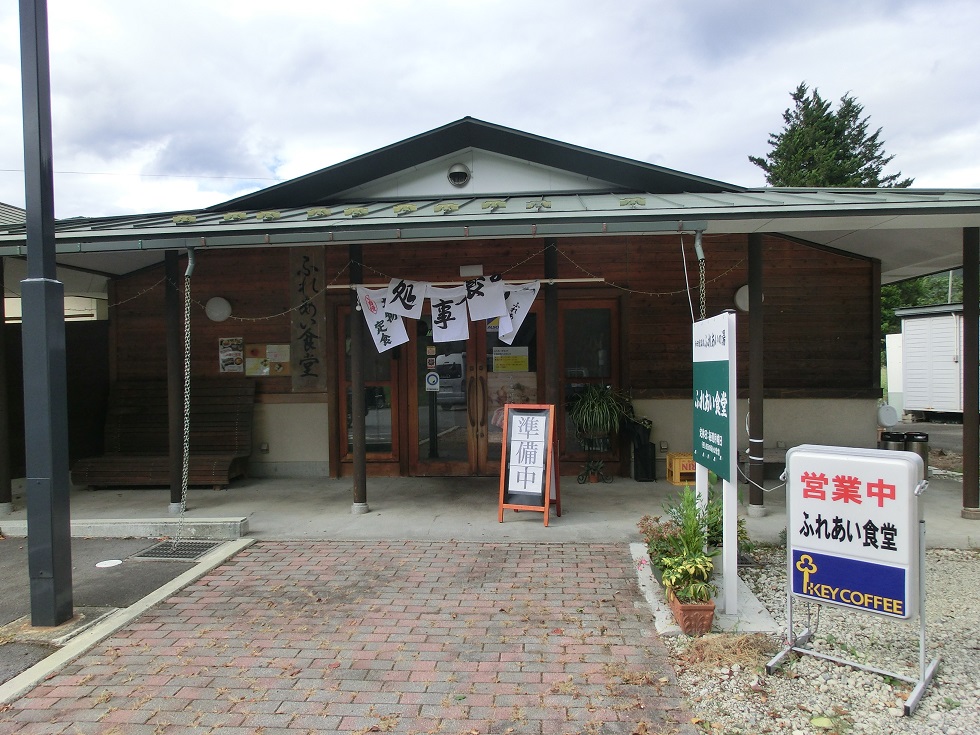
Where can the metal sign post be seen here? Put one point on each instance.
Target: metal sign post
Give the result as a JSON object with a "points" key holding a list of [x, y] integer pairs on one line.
{"points": [[856, 540], [714, 433]]}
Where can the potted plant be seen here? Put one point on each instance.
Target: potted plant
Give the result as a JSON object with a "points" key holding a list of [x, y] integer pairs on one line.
{"points": [[677, 548], [689, 591], [596, 412]]}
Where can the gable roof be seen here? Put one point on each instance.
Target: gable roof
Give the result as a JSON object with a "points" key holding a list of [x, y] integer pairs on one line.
{"points": [[911, 231], [323, 185]]}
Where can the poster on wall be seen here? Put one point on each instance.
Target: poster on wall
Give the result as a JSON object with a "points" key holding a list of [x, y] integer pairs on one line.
{"points": [[267, 361], [231, 354]]}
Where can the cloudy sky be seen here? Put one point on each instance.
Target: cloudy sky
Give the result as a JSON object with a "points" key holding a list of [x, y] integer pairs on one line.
{"points": [[161, 106]]}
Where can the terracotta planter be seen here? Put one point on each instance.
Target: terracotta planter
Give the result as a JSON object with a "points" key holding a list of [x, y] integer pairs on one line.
{"points": [[694, 619]]}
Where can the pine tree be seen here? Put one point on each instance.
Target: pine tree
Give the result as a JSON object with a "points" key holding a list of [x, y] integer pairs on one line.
{"points": [[822, 147]]}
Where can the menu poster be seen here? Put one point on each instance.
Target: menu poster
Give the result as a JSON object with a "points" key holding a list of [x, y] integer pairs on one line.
{"points": [[231, 354]]}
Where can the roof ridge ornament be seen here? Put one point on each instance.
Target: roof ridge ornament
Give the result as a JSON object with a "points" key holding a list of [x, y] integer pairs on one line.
{"points": [[446, 207], [268, 216], [494, 204], [356, 211], [318, 212], [233, 216], [184, 219], [406, 208], [539, 204], [633, 202]]}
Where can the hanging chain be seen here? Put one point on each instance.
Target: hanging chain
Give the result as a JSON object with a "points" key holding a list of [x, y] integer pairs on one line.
{"points": [[185, 470], [701, 285]]}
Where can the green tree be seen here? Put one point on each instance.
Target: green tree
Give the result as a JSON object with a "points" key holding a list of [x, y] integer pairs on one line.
{"points": [[819, 146]]}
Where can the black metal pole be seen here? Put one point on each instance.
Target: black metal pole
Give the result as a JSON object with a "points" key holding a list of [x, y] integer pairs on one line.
{"points": [[6, 494], [756, 372], [971, 379], [358, 424], [43, 302]]}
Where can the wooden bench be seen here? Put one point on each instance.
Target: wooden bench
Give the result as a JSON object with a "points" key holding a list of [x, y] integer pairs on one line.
{"points": [[137, 435]]}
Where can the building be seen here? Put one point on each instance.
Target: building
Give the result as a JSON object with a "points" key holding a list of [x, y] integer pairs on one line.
{"points": [[615, 245]]}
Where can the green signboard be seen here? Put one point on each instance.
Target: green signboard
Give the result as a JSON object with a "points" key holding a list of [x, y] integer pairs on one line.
{"points": [[714, 394]]}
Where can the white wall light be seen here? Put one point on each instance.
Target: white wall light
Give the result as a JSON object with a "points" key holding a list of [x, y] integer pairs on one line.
{"points": [[218, 309]]}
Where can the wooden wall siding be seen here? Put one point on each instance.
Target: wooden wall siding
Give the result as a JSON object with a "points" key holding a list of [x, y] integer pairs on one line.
{"points": [[818, 304], [255, 282]]}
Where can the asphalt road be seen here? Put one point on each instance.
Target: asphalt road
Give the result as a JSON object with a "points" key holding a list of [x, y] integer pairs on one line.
{"points": [[92, 587]]}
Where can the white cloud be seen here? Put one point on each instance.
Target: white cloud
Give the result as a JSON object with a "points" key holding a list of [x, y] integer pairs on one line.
{"points": [[201, 89]]}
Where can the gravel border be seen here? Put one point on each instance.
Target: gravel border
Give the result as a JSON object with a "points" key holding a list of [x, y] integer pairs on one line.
{"points": [[733, 694]]}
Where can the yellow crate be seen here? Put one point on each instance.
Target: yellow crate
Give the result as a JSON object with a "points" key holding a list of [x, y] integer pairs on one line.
{"points": [[681, 468]]}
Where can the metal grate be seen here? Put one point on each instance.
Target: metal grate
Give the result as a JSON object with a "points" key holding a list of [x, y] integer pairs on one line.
{"points": [[181, 550]]}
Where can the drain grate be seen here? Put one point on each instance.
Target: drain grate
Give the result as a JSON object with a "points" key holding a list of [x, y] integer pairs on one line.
{"points": [[182, 550]]}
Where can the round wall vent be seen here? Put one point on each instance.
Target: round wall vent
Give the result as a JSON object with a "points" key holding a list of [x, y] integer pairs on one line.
{"points": [[459, 174]]}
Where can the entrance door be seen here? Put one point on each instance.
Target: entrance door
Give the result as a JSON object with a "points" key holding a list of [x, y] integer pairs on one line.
{"points": [[458, 428]]}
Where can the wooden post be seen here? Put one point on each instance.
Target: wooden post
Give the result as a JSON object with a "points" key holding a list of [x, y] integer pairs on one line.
{"points": [[358, 425], [756, 386], [971, 378], [551, 386], [6, 495], [175, 375]]}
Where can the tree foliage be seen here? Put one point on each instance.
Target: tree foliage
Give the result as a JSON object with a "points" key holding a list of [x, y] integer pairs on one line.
{"points": [[819, 146]]}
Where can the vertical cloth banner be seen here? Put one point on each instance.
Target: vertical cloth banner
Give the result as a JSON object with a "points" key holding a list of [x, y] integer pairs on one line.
{"points": [[485, 297], [518, 302], [405, 298], [387, 329], [449, 321]]}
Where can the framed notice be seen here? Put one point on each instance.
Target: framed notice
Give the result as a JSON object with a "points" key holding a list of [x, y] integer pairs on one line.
{"points": [[529, 461]]}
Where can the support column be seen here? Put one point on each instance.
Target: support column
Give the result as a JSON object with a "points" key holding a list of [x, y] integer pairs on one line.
{"points": [[971, 373], [175, 376], [45, 381], [358, 425], [756, 385], [551, 388], [6, 493]]}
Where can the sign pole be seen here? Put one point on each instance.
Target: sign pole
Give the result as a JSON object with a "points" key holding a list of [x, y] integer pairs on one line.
{"points": [[715, 392]]}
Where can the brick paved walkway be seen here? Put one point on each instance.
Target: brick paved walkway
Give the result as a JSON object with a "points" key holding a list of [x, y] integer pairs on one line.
{"points": [[359, 637]]}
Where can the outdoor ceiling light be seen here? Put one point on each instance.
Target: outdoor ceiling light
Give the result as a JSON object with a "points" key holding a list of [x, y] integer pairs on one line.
{"points": [[218, 309], [459, 174]]}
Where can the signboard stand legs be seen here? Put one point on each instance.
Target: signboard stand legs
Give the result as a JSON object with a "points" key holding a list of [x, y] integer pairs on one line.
{"points": [[814, 559], [797, 643]]}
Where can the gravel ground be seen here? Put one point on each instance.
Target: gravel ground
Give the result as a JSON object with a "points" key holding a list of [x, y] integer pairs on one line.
{"points": [[729, 691]]}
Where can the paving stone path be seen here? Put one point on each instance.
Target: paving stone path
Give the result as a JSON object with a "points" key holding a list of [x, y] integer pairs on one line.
{"points": [[359, 637]]}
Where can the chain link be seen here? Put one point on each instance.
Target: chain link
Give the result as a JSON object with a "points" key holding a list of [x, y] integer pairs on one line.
{"points": [[701, 286], [185, 469]]}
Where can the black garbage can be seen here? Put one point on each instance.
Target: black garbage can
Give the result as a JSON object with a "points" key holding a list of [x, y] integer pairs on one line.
{"points": [[644, 456]]}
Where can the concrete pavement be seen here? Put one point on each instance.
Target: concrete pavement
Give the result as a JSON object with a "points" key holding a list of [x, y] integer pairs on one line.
{"points": [[424, 613]]}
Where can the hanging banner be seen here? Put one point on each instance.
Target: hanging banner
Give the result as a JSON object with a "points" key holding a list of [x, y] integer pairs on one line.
{"points": [[405, 298], [485, 297], [518, 302], [449, 321], [387, 329]]}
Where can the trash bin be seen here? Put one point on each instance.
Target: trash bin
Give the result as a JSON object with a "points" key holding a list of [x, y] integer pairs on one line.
{"points": [[644, 462], [918, 442], [644, 467], [892, 440]]}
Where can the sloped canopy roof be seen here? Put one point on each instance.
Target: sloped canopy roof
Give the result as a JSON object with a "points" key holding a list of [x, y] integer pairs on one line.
{"points": [[539, 188]]}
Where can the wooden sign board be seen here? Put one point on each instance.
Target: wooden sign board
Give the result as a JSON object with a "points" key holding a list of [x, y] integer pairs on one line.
{"points": [[529, 462]]}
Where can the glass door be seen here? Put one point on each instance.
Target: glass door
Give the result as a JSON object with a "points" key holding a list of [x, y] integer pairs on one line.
{"points": [[459, 394]]}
